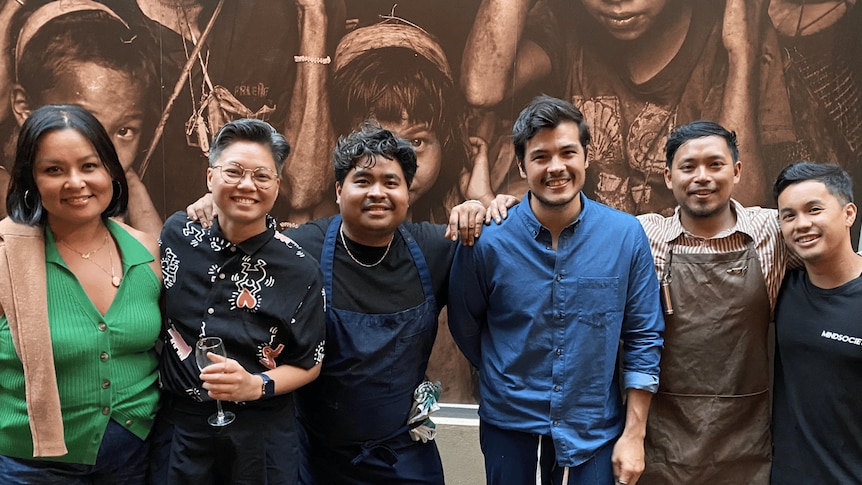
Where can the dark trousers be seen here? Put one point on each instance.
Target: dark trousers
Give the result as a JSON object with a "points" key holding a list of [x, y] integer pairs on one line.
{"points": [[511, 457], [259, 447]]}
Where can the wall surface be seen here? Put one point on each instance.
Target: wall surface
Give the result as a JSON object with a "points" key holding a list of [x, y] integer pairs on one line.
{"points": [[450, 76]]}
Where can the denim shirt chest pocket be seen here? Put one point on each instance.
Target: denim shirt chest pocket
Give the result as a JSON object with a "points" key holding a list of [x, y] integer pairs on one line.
{"points": [[599, 302]]}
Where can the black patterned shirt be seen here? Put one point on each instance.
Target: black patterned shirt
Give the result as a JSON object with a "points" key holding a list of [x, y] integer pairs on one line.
{"points": [[263, 297]]}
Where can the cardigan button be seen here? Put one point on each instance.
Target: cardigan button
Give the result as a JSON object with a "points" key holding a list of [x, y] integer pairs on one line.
{"points": [[106, 384], [104, 356], [103, 326], [106, 411]]}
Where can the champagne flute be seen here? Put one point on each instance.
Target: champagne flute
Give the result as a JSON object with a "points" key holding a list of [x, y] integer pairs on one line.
{"points": [[202, 348]]}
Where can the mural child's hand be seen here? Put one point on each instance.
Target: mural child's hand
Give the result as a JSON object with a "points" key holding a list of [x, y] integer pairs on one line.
{"points": [[475, 180], [742, 29]]}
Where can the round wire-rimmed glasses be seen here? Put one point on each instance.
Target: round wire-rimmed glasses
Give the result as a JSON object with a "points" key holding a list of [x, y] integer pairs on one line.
{"points": [[232, 173]]}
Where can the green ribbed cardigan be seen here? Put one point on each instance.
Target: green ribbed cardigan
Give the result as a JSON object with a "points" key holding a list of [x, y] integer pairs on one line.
{"points": [[106, 367]]}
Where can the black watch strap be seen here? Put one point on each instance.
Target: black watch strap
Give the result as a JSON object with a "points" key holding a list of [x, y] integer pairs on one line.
{"points": [[267, 389]]}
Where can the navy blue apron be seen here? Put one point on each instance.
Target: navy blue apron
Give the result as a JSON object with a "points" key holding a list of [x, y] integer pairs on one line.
{"points": [[355, 414]]}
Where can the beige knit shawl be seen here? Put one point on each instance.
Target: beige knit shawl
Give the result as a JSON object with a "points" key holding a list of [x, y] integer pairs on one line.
{"points": [[24, 298]]}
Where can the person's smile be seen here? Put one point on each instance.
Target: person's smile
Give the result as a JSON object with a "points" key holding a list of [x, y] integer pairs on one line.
{"points": [[244, 200], [556, 183], [77, 200]]}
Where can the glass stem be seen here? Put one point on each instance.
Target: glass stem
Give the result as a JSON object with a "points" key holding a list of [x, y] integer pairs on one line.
{"points": [[220, 412]]}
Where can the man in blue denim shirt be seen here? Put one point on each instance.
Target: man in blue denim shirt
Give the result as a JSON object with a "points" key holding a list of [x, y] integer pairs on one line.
{"points": [[540, 305]]}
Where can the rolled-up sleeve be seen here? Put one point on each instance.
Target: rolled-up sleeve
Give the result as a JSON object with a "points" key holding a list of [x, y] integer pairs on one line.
{"points": [[643, 327]]}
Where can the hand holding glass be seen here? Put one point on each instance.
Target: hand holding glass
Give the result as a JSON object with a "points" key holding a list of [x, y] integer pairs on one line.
{"points": [[204, 346]]}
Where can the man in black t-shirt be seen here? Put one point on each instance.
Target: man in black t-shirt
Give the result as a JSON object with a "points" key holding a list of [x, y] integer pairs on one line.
{"points": [[818, 322]]}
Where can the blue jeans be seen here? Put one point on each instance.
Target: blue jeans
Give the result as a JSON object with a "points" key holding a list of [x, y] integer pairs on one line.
{"points": [[122, 459]]}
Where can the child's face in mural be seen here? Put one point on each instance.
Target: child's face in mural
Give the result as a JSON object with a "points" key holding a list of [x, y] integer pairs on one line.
{"points": [[113, 98], [429, 153], [625, 20]]}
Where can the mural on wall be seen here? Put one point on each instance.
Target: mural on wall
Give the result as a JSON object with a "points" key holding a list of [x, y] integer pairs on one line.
{"points": [[450, 76]]}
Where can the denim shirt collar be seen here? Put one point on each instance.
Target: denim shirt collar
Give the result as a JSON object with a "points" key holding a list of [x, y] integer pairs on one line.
{"points": [[528, 218]]}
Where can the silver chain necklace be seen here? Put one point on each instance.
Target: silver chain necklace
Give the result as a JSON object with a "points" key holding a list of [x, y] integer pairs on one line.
{"points": [[360, 263]]}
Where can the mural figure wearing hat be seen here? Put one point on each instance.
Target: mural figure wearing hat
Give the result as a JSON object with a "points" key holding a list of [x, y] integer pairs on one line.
{"points": [[398, 75], [80, 52]]}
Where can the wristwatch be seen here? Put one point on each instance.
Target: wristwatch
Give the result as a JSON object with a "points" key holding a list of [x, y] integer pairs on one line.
{"points": [[267, 389]]}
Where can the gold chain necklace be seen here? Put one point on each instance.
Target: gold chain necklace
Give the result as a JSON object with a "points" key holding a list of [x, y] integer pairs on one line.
{"points": [[89, 253], [360, 263], [115, 280]]}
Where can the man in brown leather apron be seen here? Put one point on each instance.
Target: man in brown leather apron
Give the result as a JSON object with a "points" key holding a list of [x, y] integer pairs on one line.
{"points": [[720, 266]]}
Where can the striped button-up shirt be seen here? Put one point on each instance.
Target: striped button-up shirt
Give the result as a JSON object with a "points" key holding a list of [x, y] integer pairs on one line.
{"points": [[752, 224]]}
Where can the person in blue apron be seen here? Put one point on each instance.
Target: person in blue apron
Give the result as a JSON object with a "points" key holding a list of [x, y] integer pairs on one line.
{"points": [[386, 281], [720, 266]]}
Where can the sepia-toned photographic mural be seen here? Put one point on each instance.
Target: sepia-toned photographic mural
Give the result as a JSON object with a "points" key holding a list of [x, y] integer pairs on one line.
{"points": [[448, 75]]}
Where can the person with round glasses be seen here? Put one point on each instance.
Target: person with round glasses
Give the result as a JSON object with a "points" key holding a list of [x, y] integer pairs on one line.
{"points": [[256, 289]]}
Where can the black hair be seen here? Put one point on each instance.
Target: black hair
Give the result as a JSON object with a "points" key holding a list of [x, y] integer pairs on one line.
{"points": [[252, 130], [835, 178], [359, 149], [699, 129]]}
